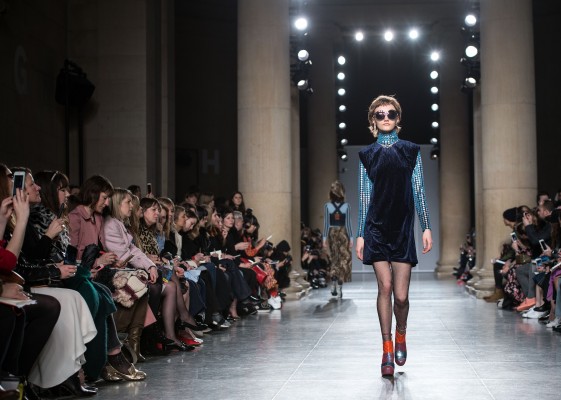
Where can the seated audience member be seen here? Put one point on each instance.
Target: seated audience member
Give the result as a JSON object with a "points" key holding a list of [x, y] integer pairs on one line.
{"points": [[236, 202], [117, 239], [63, 354], [104, 356], [173, 301], [23, 331]]}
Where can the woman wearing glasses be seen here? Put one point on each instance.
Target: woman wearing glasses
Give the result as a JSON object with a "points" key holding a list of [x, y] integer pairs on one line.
{"points": [[390, 188]]}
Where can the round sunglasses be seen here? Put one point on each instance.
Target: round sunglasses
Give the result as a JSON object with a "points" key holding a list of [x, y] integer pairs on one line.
{"points": [[391, 114]]}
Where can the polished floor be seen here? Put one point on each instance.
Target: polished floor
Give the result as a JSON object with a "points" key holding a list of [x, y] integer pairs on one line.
{"points": [[320, 348]]}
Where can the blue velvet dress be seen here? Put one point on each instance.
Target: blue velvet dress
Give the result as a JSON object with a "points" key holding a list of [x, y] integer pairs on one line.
{"points": [[390, 188]]}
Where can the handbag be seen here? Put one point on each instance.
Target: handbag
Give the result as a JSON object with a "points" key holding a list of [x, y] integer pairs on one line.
{"points": [[130, 285]]}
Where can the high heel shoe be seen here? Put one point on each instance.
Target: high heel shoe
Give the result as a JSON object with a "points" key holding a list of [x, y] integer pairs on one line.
{"points": [[388, 366], [73, 385], [400, 348], [170, 344], [198, 327]]}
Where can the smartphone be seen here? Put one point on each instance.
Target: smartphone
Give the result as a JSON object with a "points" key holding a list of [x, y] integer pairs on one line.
{"points": [[70, 256], [555, 267], [19, 181], [148, 188], [500, 262], [513, 236], [543, 245], [269, 238], [539, 262]]}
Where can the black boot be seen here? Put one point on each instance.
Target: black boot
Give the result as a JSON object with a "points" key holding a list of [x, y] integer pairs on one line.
{"points": [[73, 385]]}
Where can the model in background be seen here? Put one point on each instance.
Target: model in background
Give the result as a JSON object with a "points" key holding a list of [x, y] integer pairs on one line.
{"points": [[337, 234]]}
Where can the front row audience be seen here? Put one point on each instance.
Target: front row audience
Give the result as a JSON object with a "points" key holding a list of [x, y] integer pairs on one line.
{"points": [[110, 278], [527, 270]]}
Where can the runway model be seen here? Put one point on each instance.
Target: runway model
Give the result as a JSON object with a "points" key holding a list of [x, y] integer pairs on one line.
{"points": [[391, 186], [337, 236]]}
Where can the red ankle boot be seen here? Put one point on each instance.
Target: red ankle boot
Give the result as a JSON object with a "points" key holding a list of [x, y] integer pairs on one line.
{"points": [[388, 365], [400, 348]]}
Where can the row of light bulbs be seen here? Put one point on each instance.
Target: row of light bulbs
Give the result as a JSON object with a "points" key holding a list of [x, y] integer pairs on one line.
{"points": [[301, 24]]}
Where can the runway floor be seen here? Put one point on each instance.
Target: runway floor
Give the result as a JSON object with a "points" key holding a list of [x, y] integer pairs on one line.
{"points": [[320, 348]]}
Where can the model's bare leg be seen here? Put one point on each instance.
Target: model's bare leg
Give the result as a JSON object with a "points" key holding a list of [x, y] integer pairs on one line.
{"points": [[384, 306], [401, 280]]}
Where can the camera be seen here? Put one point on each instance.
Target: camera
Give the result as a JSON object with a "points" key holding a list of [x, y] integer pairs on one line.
{"points": [[307, 248]]}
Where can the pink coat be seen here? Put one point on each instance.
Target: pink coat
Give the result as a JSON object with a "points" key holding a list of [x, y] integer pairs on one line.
{"points": [[119, 241], [84, 229]]}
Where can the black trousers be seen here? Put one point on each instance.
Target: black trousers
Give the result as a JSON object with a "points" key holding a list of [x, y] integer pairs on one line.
{"points": [[240, 288], [24, 332]]}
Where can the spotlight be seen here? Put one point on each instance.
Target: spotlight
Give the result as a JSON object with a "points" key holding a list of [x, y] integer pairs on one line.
{"points": [[341, 92], [435, 56], [340, 76], [434, 90], [342, 154], [435, 153], [435, 125], [434, 75], [344, 142], [301, 23], [342, 108], [413, 34], [341, 60], [388, 36], [342, 125], [434, 107], [434, 140], [470, 82], [471, 50], [303, 55], [303, 84], [470, 20], [359, 36]]}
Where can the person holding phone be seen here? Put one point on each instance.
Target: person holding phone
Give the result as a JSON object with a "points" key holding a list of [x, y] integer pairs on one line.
{"points": [[60, 361], [391, 187]]}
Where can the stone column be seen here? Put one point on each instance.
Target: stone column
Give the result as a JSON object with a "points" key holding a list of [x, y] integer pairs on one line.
{"points": [[264, 138], [478, 188], [454, 158], [322, 131], [297, 282], [508, 119], [126, 48]]}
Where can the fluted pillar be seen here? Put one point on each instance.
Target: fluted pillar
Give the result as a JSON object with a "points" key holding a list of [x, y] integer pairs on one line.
{"points": [[478, 188], [322, 133], [454, 159], [264, 138], [298, 284], [508, 119]]}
